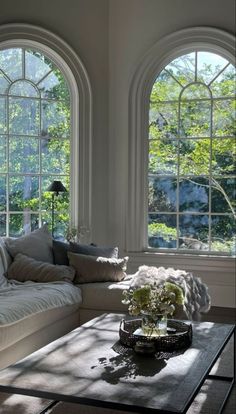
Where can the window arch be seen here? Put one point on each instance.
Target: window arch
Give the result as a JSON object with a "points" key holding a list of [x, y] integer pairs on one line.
{"points": [[151, 165], [45, 131]]}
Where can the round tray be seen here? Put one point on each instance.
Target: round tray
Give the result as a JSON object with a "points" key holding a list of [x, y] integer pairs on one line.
{"points": [[179, 335]]}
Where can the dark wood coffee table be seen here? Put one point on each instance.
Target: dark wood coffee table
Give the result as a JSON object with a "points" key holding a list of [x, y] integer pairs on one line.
{"points": [[88, 366]]}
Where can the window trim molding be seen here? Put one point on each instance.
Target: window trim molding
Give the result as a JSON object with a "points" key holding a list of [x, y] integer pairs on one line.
{"points": [[165, 50], [20, 34]]}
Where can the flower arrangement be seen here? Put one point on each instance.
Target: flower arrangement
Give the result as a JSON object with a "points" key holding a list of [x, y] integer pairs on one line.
{"points": [[153, 299]]}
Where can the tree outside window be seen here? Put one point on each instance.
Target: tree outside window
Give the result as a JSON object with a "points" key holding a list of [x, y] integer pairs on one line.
{"points": [[191, 167], [35, 118]]}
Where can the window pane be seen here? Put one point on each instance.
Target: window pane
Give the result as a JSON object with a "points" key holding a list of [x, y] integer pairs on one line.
{"points": [[194, 195], [23, 193], [223, 192], [55, 156], [195, 118], [224, 156], [24, 155], [11, 62], [55, 119], [54, 86], [36, 65], [3, 154], [163, 156], [162, 231], [223, 234], [194, 231], [23, 88], [24, 116], [3, 117], [3, 84], [183, 68], [2, 225], [3, 204], [162, 194], [224, 117], [21, 224], [61, 224], [165, 88], [208, 66], [163, 118], [194, 157], [224, 84], [195, 91]]}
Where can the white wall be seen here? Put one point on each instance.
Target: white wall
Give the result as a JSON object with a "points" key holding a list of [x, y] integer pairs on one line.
{"points": [[134, 27], [110, 37]]}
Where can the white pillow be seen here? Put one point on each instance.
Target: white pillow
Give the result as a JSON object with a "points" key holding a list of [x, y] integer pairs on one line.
{"points": [[37, 245], [25, 268]]}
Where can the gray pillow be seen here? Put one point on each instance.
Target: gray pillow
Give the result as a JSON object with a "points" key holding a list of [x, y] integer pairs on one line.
{"points": [[97, 269], [110, 252], [25, 268], [37, 245], [60, 250]]}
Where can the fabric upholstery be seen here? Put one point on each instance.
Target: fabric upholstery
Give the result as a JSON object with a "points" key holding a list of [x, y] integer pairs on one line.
{"points": [[60, 250], [110, 252], [37, 245], [97, 269], [25, 268]]}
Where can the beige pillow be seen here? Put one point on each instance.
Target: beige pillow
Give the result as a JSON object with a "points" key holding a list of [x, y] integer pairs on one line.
{"points": [[97, 269], [25, 268], [37, 244]]}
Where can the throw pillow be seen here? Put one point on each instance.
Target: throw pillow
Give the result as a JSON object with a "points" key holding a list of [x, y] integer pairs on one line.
{"points": [[110, 252], [97, 269], [37, 245], [25, 268], [60, 250]]}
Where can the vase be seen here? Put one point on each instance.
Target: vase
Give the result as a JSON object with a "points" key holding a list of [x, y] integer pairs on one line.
{"points": [[154, 325]]}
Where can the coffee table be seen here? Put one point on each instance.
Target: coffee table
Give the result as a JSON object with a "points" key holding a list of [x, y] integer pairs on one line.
{"points": [[88, 366]]}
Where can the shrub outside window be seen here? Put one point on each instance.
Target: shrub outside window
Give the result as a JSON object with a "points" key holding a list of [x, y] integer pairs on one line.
{"points": [[191, 165], [35, 139]]}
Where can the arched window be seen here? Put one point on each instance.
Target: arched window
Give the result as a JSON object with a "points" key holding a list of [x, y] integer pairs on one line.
{"points": [[34, 140], [45, 132], [191, 167], [181, 189]]}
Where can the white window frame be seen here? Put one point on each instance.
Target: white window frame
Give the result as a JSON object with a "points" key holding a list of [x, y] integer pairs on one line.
{"points": [[163, 52], [30, 36]]}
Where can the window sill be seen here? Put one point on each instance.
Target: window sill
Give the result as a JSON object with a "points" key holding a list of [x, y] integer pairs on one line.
{"points": [[187, 261]]}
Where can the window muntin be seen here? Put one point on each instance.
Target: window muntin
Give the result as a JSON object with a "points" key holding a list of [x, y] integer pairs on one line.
{"points": [[35, 141], [191, 168]]}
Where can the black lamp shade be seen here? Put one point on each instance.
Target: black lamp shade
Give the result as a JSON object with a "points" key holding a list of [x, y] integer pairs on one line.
{"points": [[57, 187]]}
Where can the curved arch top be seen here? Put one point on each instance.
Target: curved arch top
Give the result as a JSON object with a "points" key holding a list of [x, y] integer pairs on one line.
{"points": [[27, 35], [180, 42]]}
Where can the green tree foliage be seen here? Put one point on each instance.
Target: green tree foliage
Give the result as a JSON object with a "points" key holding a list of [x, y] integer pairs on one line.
{"points": [[192, 154], [37, 139]]}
